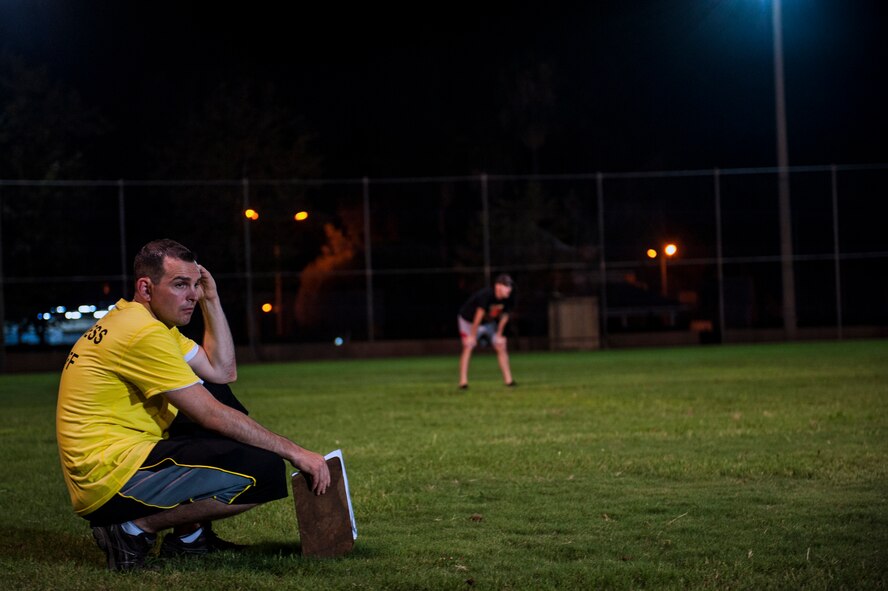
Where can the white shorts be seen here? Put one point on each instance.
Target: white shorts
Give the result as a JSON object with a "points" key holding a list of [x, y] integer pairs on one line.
{"points": [[485, 331]]}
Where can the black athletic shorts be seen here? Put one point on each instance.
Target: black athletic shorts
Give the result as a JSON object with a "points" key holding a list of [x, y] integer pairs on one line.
{"points": [[217, 462]]}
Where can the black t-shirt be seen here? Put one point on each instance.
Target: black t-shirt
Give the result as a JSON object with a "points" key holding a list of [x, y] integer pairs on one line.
{"points": [[486, 299]]}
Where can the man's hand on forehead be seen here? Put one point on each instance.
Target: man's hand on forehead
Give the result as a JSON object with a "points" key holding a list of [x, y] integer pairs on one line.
{"points": [[206, 282]]}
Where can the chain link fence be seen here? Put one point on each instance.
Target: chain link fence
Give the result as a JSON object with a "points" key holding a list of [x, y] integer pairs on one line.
{"points": [[387, 259]]}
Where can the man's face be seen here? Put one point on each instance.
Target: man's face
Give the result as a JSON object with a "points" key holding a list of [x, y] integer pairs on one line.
{"points": [[502, 290], [174, 298]]}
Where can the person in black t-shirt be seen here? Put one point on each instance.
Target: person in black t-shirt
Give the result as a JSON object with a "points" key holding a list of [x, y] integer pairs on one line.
{"points": [[484, 317]]}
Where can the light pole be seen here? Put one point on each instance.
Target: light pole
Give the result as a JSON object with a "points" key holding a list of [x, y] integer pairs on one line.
{"points": [[669, 250], [789, 306], [249, 215], [278, 307]]}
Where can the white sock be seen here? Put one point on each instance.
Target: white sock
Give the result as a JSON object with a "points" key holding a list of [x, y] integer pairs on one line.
{"points": [[132, 529], [192, 536]]}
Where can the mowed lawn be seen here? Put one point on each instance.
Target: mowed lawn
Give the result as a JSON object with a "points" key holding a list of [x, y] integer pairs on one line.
{"points": [[723, 467]]}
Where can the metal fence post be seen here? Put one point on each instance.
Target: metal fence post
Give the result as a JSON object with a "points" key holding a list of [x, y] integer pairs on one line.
{"points": [[835, 208], [716, 178], [2, 292], [368, 260], [790, 321], [121, 216], [485, 222], [252, 338], [602, 262]]}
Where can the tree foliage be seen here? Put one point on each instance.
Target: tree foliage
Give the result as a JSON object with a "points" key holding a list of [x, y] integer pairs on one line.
{"points": [[44, 126]]}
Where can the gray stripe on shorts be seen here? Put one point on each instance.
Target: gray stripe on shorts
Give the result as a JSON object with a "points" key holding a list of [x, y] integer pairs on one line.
{"points": [[173, 485]]}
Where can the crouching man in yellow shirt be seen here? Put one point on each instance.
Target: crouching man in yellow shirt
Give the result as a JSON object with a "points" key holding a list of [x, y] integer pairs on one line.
{"points": [[150, 436]]}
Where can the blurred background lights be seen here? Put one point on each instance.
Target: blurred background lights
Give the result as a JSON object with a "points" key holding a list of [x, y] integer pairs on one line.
{"points": [[266, 307], [652, 254], [670, 249], [300, 216], [252, 214], [338, 341]]}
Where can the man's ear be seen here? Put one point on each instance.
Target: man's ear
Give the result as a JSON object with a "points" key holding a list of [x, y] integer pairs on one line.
{"points": [[143, 288]]}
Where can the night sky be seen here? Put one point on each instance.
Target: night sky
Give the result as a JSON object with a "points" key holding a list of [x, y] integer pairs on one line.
{"points": [[415, 90]]}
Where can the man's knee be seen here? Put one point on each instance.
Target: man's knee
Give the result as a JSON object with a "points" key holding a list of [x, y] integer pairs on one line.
{"points": [[270, 472], [267, 460]]}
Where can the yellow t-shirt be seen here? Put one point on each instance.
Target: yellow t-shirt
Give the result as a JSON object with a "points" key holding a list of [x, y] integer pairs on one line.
{"points": [[110, 411]]}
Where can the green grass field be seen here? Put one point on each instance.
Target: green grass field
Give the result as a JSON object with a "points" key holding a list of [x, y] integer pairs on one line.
{"points": [[732, 467]]}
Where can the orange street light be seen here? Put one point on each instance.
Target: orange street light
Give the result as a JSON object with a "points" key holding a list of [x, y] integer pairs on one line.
{"points": [[251, 214], [301, 216], [669, 251], [266, 307]]}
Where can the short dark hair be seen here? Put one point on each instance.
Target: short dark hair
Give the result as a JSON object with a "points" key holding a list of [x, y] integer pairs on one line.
{"points": [[149, 261], [505, 279]]}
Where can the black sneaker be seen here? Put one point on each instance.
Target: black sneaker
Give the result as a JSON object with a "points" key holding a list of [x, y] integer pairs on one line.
{"points": [[124, 552], [512, 384], [463, 386], [206, 543], [217, 544]]}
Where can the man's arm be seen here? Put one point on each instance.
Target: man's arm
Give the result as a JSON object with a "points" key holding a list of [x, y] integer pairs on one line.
{"points": [[201, 407], [215, 361], [504, 319], [476, 322]]}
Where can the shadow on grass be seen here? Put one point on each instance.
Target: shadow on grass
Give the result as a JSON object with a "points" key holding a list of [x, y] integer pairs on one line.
{"points": [[40, 545], [52, 547], [266, 558], [294, 550]]}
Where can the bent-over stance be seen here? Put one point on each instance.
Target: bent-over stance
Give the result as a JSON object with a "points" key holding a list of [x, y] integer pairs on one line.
{"points": [[484, 317]]}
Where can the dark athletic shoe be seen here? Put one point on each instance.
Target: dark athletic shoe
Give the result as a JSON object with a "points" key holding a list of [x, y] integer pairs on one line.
{"points": [[512, 384], [206, 543], [217, 544], [124, 552], [463, 386]]}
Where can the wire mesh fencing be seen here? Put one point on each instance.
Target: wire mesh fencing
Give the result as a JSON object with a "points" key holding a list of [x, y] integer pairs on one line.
{"points": [[385, 259]]}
